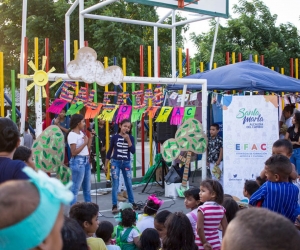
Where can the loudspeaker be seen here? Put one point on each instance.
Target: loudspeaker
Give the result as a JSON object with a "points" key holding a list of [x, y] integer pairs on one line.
{"points": [[173, 176], [164, 131]]}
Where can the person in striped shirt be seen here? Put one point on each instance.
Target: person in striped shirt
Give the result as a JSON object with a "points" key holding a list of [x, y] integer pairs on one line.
{"points": [[278, 194], [210, 215]]}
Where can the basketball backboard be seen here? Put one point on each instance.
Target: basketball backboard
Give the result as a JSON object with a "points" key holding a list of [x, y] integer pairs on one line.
{"points": [[217, 8]]}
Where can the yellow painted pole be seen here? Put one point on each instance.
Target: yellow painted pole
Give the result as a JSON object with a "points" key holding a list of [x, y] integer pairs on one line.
{"points": [[36, 52], [150, 105], [282, 93], [255, 58], [107, 125], [75, 54], [201, 67], [1, 85], [296, 76], [180, 66], [124, 72], [233, 61], [215, 66]]}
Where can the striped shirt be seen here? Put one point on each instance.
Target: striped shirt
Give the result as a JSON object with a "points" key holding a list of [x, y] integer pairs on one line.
{"points": [[280, 197], [213, 213]]}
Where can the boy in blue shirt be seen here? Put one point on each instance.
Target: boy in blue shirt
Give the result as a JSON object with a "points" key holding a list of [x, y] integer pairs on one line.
{"points": [[278, 194]]}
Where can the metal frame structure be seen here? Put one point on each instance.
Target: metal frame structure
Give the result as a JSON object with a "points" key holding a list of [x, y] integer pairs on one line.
{"points": [[85, 13]]}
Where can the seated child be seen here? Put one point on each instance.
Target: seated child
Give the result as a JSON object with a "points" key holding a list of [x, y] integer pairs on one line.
{"points": [[105, 231], [282, 147], [146, 220], [150, 239], [127, 236], [23, 153], [258, 228], [250, 187], [73, 235], [278, 194], [31, 212], [159, 223], [192, 201], [86, 214]]}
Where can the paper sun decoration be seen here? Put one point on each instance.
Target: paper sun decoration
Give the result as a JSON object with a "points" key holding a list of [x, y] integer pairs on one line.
{"points": [[40, 78]]}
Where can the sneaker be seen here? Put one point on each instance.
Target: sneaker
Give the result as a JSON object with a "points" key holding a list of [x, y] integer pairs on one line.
{"points": [[115, 209], [120, 197], [135, 206], [124, 193]]}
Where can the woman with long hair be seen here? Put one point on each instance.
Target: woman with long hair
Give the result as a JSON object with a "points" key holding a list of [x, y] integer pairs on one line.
{"points": [[79, 163], [293, 134]]}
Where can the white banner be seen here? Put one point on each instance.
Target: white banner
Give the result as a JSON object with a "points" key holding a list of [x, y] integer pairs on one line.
{"points": [[250, 127]]}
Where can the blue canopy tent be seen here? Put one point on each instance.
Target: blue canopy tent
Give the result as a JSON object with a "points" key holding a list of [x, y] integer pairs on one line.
{"points": [[246, 76]]}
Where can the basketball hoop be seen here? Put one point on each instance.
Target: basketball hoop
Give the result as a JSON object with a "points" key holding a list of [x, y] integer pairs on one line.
{"points": [[181, 4]]}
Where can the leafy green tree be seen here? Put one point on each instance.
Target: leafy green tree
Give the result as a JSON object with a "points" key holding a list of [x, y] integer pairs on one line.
{"points": [[252, 32]]}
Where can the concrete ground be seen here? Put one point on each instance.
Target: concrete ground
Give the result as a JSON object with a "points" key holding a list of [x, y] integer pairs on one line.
{"points": [[105, 201]]}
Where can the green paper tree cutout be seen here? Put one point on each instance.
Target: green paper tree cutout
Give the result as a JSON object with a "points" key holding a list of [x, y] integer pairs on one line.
{"points": [[188, 138]]}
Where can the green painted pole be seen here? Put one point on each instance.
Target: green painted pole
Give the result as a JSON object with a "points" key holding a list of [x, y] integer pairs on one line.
{"points": [[96, 139], [13, 96], [194, 68], [134, 129]]}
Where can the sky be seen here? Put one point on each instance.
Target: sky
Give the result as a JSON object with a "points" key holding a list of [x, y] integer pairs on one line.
{"points": [[286, 10]]}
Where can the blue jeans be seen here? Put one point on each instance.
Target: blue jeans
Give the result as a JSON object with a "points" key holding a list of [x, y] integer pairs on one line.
{"points": [[295, 159], [81, 175], [125, 167]]}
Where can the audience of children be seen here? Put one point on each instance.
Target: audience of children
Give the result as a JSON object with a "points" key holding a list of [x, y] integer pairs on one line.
{"points": [[146, 220], [258, 228], [180, 234], [159, 223], [192, 201], [278, 194], [210, 215], [150, 240], [24, 154], [86, 214], [73, 235], [127, 235], [32, 212], [105, 231]]}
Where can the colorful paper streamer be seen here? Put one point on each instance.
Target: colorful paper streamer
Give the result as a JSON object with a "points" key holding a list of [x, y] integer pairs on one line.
{"points": [[151, 111], [164, 114], [92, 113], [177, 116], [57, 106], [189, 112], [108, 114], [76, 107], [137, 114], [124, 113]]}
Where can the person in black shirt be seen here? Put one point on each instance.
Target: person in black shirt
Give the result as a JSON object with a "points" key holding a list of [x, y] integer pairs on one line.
{"points": [[293, 134]]}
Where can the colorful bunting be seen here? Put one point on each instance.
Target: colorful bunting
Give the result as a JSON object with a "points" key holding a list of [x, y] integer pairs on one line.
{"points": [[82, 97], [124, 113], [177, 115], [189, 112], [75, 108], [57, 106], [108, 113], [92, 113], [137, 113], [164, 114], [151, 111]]}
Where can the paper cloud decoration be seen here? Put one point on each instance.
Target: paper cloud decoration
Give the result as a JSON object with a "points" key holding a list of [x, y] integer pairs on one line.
{"points": [[86, 68]]}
